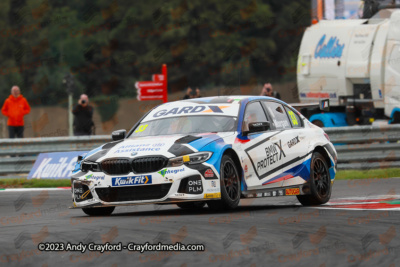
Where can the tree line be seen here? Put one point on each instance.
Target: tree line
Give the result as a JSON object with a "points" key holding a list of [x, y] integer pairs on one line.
{"points": [[109, 45]]}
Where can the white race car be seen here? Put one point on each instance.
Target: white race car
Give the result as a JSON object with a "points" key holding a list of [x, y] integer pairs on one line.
{"points": [[213, 151]]}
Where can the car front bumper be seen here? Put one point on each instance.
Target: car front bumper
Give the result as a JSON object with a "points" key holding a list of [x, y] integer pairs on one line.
{"points": [[171, 185]]}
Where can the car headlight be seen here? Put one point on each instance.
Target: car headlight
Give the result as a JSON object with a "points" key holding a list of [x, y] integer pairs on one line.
{"points": [[90, 166], [195, 158]]}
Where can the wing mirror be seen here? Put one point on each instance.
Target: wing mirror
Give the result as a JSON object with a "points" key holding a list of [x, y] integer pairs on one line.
{"points": [[258, 127], [118, 135]]}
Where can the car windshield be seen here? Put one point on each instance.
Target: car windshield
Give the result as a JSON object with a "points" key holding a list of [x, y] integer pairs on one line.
{"points": [[185, 125]]}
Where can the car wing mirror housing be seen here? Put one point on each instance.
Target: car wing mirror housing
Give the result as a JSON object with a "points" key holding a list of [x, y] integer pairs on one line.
{"points": [[258, 127], [118, 135]]}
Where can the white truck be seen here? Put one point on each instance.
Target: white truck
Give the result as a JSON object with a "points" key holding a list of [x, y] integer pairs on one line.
{"points": [[354, 63]]}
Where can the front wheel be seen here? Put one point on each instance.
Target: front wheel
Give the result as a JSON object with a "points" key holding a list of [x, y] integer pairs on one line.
{"points": [[230, 186], [104, 211], [320, 182]]}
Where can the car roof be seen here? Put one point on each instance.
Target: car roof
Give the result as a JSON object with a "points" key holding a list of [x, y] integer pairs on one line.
{"points": [[231, 99]]}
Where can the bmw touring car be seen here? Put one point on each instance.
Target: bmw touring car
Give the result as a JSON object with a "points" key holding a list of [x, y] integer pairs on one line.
{"points": [[208, 151]]}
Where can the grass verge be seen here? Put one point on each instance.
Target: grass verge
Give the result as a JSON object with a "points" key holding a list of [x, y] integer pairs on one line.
{"points": [[341, 175], [33, 183], [368, 174]]}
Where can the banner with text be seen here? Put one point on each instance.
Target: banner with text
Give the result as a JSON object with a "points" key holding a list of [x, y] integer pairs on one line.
{"points": [[58, 165]]}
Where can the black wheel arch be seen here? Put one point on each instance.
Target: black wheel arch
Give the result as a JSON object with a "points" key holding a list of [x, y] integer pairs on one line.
{"points": [[324, 153], [230, 152]]}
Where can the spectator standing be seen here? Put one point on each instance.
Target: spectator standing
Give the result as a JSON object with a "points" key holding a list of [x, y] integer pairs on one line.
{"points": [[268, 91], [198, 94], [83, 117], [188, 94], [15, 108]]}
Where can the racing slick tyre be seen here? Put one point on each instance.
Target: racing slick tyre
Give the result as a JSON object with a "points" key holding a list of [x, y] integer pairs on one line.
{"points": [[191, 205], [320, 182], [230, 186], [104, 211]]}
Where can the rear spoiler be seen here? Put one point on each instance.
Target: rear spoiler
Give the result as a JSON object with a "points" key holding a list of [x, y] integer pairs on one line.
{"points": [[323, 105]]}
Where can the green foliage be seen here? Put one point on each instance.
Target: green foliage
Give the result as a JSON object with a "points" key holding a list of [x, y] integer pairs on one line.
{"points": [[109, 45], [107, 106]]}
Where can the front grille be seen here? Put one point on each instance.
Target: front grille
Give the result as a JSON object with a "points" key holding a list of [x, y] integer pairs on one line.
{"points": [[133, 193], [148, 164], [116, 166]]}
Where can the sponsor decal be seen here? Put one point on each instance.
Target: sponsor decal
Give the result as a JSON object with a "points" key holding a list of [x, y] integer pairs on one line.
{"points": [[259, 194], [209, 173], [94, 177], [189, 110], [292, 191], [138, 148], [78, 190], [246, 168], [317, 95], [195, 186], [131, 180], [267, 194], [293, 142], [282, 124], [248, 176], [179, 194], [273, 193], [280, 192], [169, 171], [333, 49], [273, 153], [213, 184], [210, 190], [81, 192], [212, 195]]}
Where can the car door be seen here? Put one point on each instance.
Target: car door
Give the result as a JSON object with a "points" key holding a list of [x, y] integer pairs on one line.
{"points": [[298, 147], [293, 142], [264, 151]]}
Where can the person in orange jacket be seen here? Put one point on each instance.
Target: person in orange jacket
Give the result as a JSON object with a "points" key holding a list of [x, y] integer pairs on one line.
{"points": [[15, 108]]}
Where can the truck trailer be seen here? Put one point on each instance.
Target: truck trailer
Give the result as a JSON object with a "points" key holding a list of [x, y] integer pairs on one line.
{"points": [[354, 63]]}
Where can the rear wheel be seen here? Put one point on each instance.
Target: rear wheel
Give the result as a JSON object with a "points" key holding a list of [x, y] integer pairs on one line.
{"points": [[104, 211], [230, 186], [320, 182], [191, 205]]}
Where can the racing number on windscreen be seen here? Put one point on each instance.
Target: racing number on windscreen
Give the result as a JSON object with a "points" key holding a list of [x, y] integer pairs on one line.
{"points": [[294, 118], [141, 128]]}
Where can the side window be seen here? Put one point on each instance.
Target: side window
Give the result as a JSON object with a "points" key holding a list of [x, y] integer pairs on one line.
{"points": [[294, 118], [254, 113], [278, 115]]}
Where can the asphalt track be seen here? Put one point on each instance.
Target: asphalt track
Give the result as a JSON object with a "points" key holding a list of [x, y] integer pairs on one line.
{"points": [[261, 232]]}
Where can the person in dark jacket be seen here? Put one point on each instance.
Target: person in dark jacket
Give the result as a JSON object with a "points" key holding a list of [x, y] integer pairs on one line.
{"points": [[83, 117]]}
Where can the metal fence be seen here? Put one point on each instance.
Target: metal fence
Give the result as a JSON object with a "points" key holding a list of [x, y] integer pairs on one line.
{"points": [[358, 147], [366, 147], [19, 155]]}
